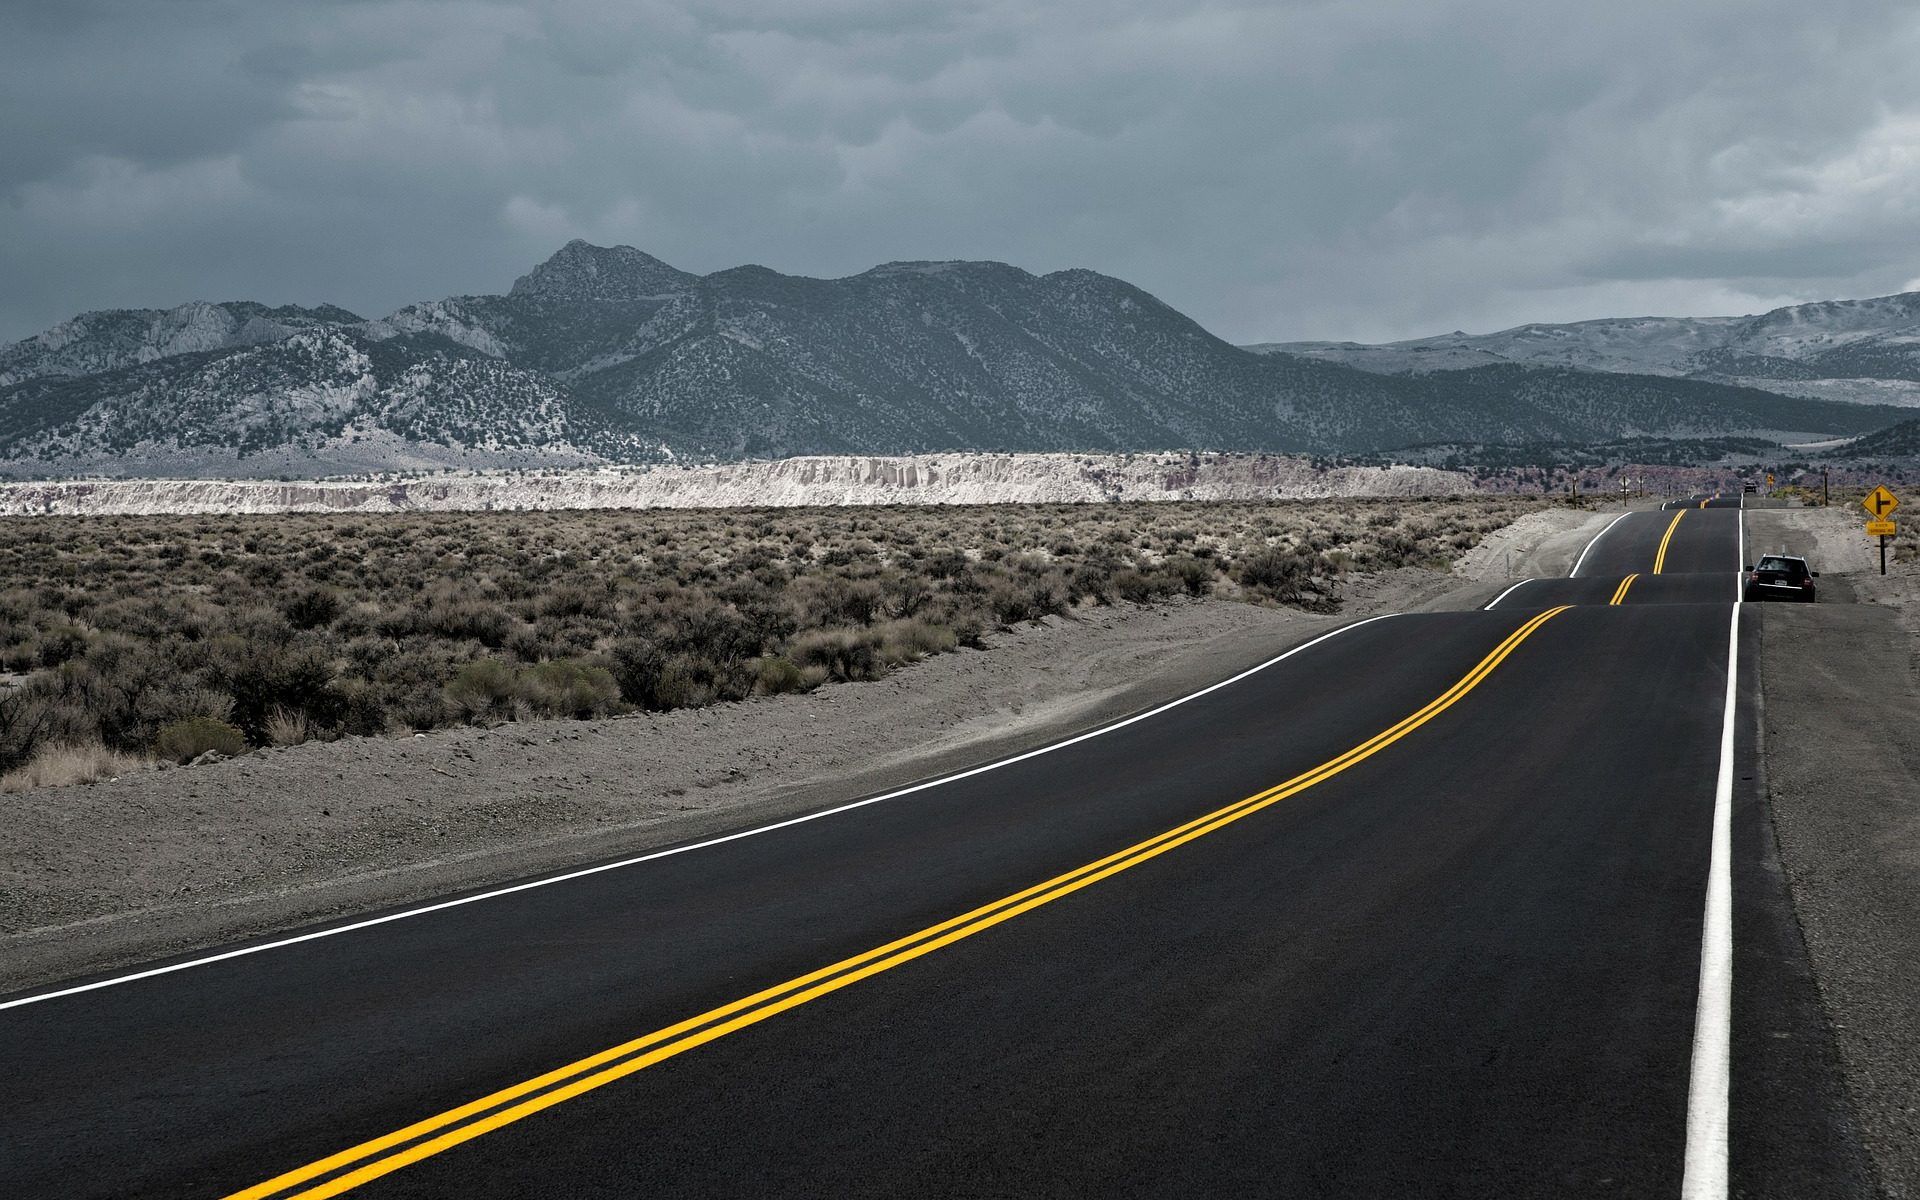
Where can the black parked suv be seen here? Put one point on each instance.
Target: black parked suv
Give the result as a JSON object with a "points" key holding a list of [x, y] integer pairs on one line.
{"points": [[1781, 577]]}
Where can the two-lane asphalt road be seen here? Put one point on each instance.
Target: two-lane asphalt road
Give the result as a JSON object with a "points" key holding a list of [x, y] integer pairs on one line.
{"points": [[1418, 908]]}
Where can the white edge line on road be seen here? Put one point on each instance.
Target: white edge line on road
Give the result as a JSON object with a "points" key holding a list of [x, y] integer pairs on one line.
{"points": [[1503, 595], [731, 837], [1596, 541], [1740, 571], [1709, 1081]]}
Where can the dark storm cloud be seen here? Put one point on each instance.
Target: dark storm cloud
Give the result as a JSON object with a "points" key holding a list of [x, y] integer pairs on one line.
{"points": [[1334, 169]]}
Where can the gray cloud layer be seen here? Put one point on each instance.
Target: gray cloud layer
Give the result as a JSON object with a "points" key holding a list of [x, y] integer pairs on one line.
{"points": [[1344, 168]]}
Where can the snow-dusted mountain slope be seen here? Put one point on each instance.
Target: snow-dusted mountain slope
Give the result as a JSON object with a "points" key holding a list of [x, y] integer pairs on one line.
{"points": [[302, 404], [105, 341], [1852, 350]]}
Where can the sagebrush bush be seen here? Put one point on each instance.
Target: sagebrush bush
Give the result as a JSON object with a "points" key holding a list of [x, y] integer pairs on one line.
{"points": [[279, 628], [482, 689], [184, 741], [564, 688], [311, 608], [842, 654]]}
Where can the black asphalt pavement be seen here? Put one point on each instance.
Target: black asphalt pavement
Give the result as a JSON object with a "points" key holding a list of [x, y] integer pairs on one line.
{"points": [[1698, 541], [1466, 964]]}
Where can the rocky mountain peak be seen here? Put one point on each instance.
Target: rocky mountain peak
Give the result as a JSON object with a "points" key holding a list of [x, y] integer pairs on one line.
{"points": [[581, 270]]}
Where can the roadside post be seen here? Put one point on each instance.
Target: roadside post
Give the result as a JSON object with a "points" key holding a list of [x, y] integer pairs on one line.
{"points": [[1880, 504]]}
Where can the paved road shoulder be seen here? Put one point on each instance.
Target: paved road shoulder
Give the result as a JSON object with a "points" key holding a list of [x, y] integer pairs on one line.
{"points": [[1841, 738]]}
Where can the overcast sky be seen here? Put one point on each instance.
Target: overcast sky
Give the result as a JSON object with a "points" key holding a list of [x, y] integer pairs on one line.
{"points": [[1364, 169]]}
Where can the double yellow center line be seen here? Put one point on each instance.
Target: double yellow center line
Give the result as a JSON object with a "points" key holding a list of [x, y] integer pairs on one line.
{"points": [[383, 1155], [1620, 593], [1660, 559]]}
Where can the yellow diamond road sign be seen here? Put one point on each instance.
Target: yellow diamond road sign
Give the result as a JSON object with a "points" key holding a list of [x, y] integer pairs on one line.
{"points": [[1880, 502], [1880, 528]]}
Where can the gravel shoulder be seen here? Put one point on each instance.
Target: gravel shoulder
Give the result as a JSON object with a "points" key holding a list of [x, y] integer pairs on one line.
{"points": [[1840, 726]]}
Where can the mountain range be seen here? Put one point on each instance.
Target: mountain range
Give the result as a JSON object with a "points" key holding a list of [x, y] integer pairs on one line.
{"points": [[607, 354], [1857, 350]]}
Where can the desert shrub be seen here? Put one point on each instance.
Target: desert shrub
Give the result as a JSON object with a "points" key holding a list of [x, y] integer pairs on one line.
{"points": [[184, 741], [907, 595], [1028, 596], [484, 688], [25, 725], [909, 640], [364, 710], [683, 681], [285, 728], [366, 652], [395, 622], [61, 644], [725, 633], [563, 688], [658, 676], [1194, 576], [836, 600], [843, 654], [482, 622], [947, 564], [311, 608], [1394, 549], [636, 665], [1142, 587], [571, 600], [776, 674], [265, 678], [531, 644], [1278, 572]]}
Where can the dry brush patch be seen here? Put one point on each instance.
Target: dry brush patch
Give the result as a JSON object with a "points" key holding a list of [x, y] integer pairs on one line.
{"points": [[175, 636]]}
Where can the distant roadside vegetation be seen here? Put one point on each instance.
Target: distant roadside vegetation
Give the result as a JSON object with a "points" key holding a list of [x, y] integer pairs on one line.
{"points": [[126, 640]]}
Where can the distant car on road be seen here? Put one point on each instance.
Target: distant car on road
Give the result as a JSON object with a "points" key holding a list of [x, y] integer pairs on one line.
{"points": [[1781, 577]]}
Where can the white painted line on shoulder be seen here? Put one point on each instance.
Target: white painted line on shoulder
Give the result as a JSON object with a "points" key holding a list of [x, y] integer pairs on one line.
{"points": [[1709, 1081], [1595, 542], [442, 906], [1503, 595]]}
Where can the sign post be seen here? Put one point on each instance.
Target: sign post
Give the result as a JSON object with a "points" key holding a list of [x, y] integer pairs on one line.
{"points": [[1880, 504]]}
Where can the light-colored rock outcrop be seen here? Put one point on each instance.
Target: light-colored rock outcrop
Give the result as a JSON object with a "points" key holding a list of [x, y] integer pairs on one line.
{"points": [[921, 479]]}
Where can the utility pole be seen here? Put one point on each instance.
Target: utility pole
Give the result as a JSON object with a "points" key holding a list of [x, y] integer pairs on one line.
{"points": [[1823, 492]]}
